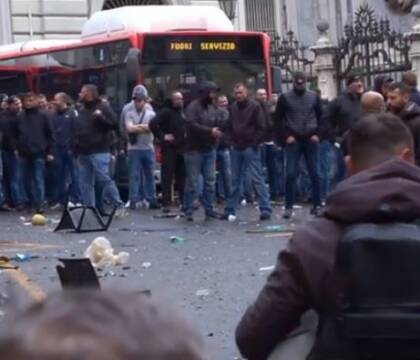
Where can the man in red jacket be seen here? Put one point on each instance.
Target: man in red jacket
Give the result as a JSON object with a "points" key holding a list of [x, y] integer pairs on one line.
{"points": [[383, 182]]}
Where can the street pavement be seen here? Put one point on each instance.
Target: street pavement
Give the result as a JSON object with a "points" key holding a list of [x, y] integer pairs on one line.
{"points": [[210, 278]]}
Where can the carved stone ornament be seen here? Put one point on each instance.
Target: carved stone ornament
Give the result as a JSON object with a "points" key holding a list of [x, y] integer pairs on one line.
{"points": [[400, 6]]}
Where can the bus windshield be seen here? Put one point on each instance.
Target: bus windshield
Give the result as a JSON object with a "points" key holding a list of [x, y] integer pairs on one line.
{"points": [[183, 62]]}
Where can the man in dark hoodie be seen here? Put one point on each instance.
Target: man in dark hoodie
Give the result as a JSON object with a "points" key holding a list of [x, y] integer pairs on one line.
{"points": [[168, 126], [247, 130], [399, 103], [65, 168], [298, 115], [203, 131], [34, 138], [95, 130], [383, 180]]}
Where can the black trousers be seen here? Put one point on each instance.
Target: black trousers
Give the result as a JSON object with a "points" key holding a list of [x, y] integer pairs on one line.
{"points": [[173, 167]]}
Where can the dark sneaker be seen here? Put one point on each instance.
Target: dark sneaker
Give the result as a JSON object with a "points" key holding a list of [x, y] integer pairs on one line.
{"points": [[213, 215], [189, 217], [288, 213], [154, 206], [39, 211], [133, 205], [317, 211], [264, 216], [166, 210]]}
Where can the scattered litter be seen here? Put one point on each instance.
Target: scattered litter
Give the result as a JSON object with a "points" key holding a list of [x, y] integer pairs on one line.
{"points": [[22, 218], [177, 240], [146, 265], [272, 229], [168, 216], [282, 235], [39, 220], [101, 253], [126, 268], [22, 257], [202, 292], [267, 268], [232, 218], [53, 221], [82, 241], [243, 202], [210, 334], [28, 223], [5, 264]]}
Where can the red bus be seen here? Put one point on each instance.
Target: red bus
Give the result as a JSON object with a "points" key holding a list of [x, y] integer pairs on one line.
{"points": [[163, 47]]}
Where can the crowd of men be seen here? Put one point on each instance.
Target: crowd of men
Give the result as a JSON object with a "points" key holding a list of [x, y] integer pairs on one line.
{"points": [[211, 151], [356, 265]]}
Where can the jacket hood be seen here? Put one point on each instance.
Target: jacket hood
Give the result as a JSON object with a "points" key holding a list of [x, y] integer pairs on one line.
{"points": [[389, 192], [410, 111], [380, 81]]}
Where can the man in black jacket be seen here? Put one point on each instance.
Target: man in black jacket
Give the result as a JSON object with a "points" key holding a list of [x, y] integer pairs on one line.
{"points": [[94, 136], [169, 128], [200, 150], [12, 180], [34, 139], [399, 103], [298, 115], [247, 130], [65, 168]]}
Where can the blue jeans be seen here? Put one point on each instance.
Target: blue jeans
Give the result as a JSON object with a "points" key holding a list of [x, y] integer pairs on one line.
{"points": [[224, 174], [275, 172], [200, 163], [247, 161], [141, 164], [340, 169], [33, 171], [12, 179], [293, 153], [327, 167], [66, 176], [95, 170]]}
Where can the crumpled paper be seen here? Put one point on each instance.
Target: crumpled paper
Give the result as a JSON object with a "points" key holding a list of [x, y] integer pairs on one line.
{"points": [[101, 253]]}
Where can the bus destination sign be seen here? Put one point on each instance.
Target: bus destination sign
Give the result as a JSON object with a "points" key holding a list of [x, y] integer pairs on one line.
{"points": [[172, 48]]}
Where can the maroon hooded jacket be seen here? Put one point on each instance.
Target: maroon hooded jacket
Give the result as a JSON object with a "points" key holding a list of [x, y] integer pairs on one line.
{"points": [[304, 276]]}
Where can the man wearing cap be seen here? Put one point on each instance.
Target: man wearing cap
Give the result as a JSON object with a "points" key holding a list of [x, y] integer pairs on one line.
{"points": [[340, 116], [203, 131], [298, 115], [141, 154]]}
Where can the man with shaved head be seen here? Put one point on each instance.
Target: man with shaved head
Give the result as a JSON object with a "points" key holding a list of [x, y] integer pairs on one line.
{"points": [[372, 103]]}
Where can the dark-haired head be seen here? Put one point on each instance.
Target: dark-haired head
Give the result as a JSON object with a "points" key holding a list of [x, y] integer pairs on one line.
{"points": [[89, 93], [398, 96], [377, 138]]}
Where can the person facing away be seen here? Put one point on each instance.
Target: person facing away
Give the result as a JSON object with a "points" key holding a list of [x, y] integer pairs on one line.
{"points": [[409, 78], [383, 187], [141, 151], [400, 104], [381, 85], [34, 138], [98, 325], [95, 129], [299, 114], [203, 133], [168, 126]]}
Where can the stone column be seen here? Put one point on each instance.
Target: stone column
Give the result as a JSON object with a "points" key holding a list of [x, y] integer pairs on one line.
{"points": [[6, 36], [325, 52], [415, 46]]}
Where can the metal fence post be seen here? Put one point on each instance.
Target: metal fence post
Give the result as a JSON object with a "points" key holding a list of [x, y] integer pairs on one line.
{"points": [[325, 53]]}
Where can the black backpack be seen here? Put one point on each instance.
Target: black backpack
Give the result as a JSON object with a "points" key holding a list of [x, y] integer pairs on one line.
{"points": [[378, 315]]}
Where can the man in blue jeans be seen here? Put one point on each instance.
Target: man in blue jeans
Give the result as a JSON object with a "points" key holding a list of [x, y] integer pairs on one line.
{"points": [[65, 168], [203, 131], [34, 139], [299, 115], [93, 141], [247, 129], [141, 153]]}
